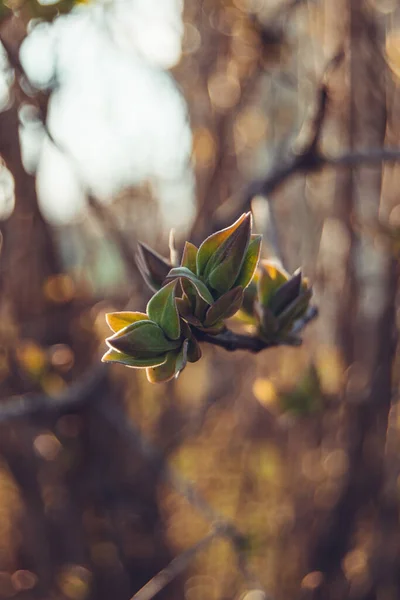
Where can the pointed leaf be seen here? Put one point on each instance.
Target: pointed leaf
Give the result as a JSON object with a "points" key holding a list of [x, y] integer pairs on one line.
{"points": [[270, 278], [164, 372], [234, 246], [185, 310], [143, 339], [189, 291], [285, 295], [162, 309], [224, 307], [201, 288], [152, 265], [213, 242], [294, 311], [113, 356], [224, 266], [250, 262], [189, 257], [118, 320]]}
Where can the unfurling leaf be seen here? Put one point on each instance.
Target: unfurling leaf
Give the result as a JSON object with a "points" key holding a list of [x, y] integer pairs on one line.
{"points": [[143, 339], [224, 266], [189, 257], [225, 307], [250, 262], [285, 295], [201, 288], [270, 279], [214, 242], [153, 267], [114, 356], [163, 311]]}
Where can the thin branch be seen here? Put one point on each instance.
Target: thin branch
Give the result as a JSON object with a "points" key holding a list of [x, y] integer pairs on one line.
{"points": [[175, 568], [133, 436], [78, 394], [231, 341], [361, 157], [221, 525]]}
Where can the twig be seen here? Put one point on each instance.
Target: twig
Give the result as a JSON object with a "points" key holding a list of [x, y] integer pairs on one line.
{"points": [[131, 433], [78, 394], [221, 525], [359, 157], [175, 568], [235, 341]]}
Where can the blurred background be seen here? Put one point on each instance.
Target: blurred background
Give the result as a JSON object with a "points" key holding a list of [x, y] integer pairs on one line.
{"points": [[121, 120]]}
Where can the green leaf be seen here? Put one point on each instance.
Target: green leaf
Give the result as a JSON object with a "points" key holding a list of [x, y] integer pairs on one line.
{"points": [[189, 257], [224, 307], [113, 356], [164, 372], [118, 320], [185, 310], [224, 266], [162, 309], [285, 294], [250, 262], [294, 311], [201, 288], [143, 339], [213, 242], [270, 278]]}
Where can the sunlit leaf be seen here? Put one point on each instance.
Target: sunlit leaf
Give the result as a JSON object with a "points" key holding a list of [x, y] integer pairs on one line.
{"points": [[224, 266], [213, 242], [250, 262], [113, 356], [270, 278], [162, 309], [164, 372], [189, 257], [143, 339], [118, 320], [285, 294], [201, 288]]}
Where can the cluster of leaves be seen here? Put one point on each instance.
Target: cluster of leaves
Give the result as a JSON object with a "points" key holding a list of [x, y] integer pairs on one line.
{"points": [[222, 278]]}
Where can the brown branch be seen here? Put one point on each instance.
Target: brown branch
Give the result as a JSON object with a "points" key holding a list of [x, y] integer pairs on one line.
{"points": [[175, 568], [363, 157], [232, 341], [221, 525]]}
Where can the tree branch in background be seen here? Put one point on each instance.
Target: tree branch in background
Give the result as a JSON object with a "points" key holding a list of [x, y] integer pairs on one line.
{"points": [[311, 159], [175, 568]]}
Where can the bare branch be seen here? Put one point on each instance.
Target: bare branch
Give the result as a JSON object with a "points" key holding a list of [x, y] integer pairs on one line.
{"points": [[221, 525], [175, 568], [78, 394], [363, 157]]}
